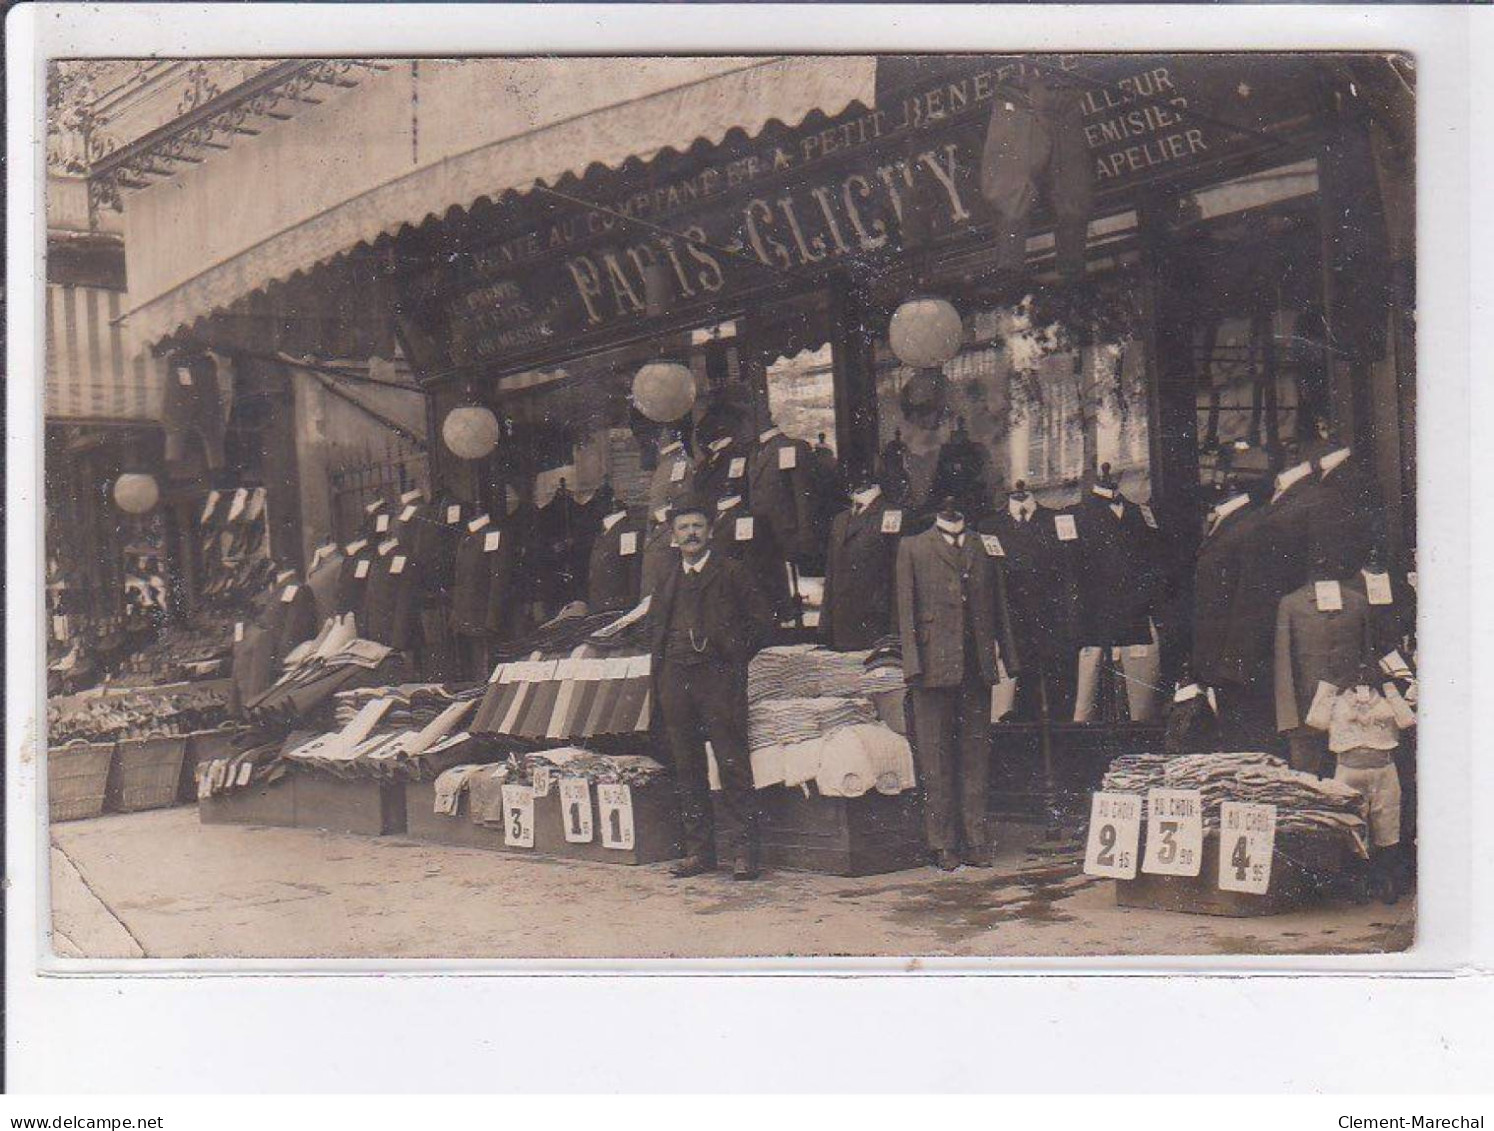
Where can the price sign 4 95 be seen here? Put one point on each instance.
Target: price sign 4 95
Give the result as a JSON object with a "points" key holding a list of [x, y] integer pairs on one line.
{"points": [[1114, 833]]}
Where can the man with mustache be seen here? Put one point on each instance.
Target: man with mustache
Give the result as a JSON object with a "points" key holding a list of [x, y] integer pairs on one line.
{"points": [[707, 620]]}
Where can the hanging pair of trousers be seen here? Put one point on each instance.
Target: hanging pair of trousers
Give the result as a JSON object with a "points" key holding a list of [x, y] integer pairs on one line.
{"points": [[952, 749], [707, 702]]}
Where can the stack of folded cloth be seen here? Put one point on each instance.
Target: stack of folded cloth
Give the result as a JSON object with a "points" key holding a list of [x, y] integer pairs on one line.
{"points": [[847, 762], [369, 744], [1304, 802], [412, 704], [574, 762], [253, 765], [783, 722], [804, 671], [482, 786]]}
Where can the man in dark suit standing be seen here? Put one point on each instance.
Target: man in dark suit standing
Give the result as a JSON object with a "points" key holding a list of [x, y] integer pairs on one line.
{"points": [[951, 608], [707, 620]]}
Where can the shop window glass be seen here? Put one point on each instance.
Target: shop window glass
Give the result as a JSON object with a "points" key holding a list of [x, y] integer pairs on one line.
{"points": [[801, 395], [1046, 413]]}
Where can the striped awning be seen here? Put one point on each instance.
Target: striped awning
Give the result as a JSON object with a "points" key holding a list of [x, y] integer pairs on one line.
{"points": [[91, 373]]}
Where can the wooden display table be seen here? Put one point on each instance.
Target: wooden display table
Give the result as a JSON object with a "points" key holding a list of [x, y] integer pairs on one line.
{"points": [[837, 836]]}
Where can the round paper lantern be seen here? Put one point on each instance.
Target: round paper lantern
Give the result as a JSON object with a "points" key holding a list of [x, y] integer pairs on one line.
{"points": [[471, 431], [925, 332], [135, 493], [664, 391]]}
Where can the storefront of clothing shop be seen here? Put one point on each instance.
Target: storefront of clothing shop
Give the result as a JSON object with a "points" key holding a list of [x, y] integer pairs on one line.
{"points": [[1192, 326]]}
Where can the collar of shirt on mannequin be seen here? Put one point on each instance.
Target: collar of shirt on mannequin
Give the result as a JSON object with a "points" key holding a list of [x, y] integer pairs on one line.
{"points": [[1021, 509], [1333, 460], [697, 565], [613, 519], [952, 529], [1289, 478], [728, 503], [764, 437], [864, 499], [720, 445], [671, 447]]}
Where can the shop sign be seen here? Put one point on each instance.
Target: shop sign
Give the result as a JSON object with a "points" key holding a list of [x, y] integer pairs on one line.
{"points": [[557, 268]]}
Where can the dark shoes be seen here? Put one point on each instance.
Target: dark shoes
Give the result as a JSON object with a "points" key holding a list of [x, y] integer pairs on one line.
{"points": [[692, 866], [745, 868], [947, 861], [981, 857]]}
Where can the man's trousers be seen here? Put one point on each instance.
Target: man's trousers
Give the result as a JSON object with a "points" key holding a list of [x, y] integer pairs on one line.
{"points": [[952, 748], [700, 703]]}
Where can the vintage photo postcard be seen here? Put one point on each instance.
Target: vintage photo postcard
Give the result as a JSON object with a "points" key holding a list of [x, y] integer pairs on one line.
{"points": [[679, 507]]}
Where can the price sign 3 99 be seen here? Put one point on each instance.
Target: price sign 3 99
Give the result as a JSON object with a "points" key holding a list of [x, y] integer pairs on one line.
{"points": [[1114, 833]]}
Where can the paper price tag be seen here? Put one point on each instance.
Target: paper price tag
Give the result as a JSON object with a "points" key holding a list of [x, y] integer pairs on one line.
{"points": [[788, 458], [518, 816], [408, 513], [491, 540], [1328, 596], [381, 524], [575, 810], [360, 571], [1183, 694], [1174, 832], [397, 566], [628, 544], [892, 522], [238, 632], [184, 376], [1114, 833], [1147, 516], [992, 545], [453, 515], [1377, 588], [744, 529], [677, 472], [1064, 527], [542, 781], [288, 594], [1247, 842], [615, 803], [1411, 579], [737, 468]]}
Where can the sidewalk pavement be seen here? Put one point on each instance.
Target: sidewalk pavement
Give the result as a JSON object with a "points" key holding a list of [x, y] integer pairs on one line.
{"points": [[161, 885]]}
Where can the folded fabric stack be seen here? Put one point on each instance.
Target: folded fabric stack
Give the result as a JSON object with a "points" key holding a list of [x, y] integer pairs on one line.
{"points": [[371, 745], [142, 713], [1304, 802], [318, 673], [254, 765], [783, 722], [804, 671], [848, 762], [563, 634], [574, 762], [883, 667], [412, 704], [482, 785], [567, 699]]}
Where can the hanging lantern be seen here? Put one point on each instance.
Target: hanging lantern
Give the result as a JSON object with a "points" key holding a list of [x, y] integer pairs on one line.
{"points": [[136, 493], [664, 391], [471, 432], [925, 332]]}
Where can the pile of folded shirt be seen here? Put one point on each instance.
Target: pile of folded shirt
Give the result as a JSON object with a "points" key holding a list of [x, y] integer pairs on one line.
{"points": [[254, 765], [370, 745], [804, 671], [412, 704], [783, 722], [883, 666], [481, 785], [316, 670], [574, 762], [1304, 802], [573, 627]]}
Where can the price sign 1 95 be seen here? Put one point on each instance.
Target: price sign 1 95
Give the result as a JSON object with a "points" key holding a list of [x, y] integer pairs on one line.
{"points": [[1114, 834], [575, 810]]}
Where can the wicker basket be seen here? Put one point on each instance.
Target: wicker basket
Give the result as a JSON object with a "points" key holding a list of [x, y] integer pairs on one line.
{"points": [[147, 773], [77, 779]]}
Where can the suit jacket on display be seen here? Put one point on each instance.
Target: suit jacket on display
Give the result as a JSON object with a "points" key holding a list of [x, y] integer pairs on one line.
{"points": [[660, 555], [289, 622], [1344, 519], [786, 495], [1216, 577], [1312, 645], [1389, 624], [351, 589], [324, 582], [860, 565], [480, 578], [735, 617], [1119, 572], [615, 573], [390, 603], [664, 489], [714, 478], [1042, 584], [1273, 561], [938, 586], [759, 549]]}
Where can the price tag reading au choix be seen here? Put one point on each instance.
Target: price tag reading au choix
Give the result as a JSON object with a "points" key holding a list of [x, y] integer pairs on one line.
{"points": [[615, 803], [1174, 832], [1247, 841], [1114, 832], [575, 810], [518, 816]]}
